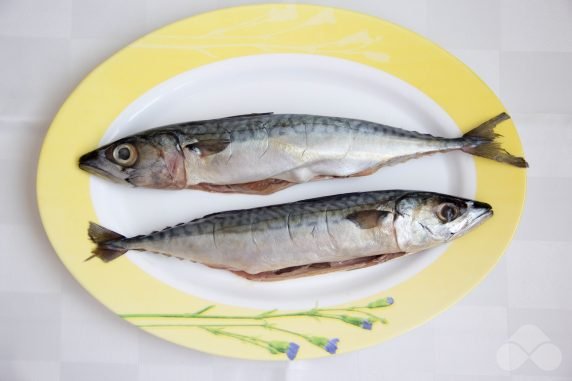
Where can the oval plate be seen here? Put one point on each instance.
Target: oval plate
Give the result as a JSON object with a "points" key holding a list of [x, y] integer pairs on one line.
{"points": [[135, 89]]}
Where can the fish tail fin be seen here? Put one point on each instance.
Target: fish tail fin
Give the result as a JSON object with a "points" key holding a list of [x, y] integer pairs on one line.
{"points": [[481, 141], [106, 250]]}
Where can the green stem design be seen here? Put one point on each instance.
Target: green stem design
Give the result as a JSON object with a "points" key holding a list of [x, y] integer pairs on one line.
{"points": [[358, 316], [315, 312], [271, 327], [264, 325], [249, 339], [231, 317], [202, 325], [246, 339], [357, 309]]}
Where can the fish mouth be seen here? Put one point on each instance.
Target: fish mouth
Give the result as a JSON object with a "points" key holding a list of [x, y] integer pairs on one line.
{"points": [[482, 217], [483, 212], [90, 163], [479, 219], [486, 212]]}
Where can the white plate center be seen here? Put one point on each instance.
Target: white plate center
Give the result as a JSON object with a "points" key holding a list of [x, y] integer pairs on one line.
{"points": [[282, 83]]}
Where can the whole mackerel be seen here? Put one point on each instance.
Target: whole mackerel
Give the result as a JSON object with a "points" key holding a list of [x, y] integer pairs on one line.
{"points": [[309, 237], [264, 153]]}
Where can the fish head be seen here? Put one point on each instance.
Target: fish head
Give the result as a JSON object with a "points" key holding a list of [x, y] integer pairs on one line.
{"points": [[152, 160], [425, 220]]}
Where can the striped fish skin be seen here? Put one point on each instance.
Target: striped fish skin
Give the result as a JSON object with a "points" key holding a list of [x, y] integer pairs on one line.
{"points": [[333, 229], [298, 148], [263, 153]]}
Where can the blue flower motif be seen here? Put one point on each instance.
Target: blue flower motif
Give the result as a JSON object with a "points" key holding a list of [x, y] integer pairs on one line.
{"points": [[383, 302], [292, 350], [366, 324], [329, 345], [332, 346]]}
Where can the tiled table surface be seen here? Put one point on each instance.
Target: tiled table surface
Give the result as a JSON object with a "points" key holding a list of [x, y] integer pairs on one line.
{"points": [[51, 329]]}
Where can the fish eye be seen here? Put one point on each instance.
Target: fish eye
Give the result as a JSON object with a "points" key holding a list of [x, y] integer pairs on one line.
{"points": [[448, 212], [125, 154]]}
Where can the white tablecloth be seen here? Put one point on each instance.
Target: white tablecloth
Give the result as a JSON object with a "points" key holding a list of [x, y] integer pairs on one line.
{"points": [[51, 329]]}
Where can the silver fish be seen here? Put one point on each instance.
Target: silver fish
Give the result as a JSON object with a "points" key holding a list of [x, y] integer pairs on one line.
{"points": [[308, 237], [264, 153]]}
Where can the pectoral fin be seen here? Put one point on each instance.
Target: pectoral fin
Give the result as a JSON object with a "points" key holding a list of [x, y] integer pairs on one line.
{"points": [[208, 147], [367, 219]]}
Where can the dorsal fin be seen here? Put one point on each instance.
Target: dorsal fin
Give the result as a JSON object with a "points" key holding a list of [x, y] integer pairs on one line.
{"points": [[247, 115]]}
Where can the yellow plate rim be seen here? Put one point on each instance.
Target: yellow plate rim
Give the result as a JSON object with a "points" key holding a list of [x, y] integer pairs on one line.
{"points": [[65, 210]]}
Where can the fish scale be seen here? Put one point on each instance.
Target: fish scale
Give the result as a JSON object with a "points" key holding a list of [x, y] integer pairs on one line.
{"points": [[302, 146]]}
